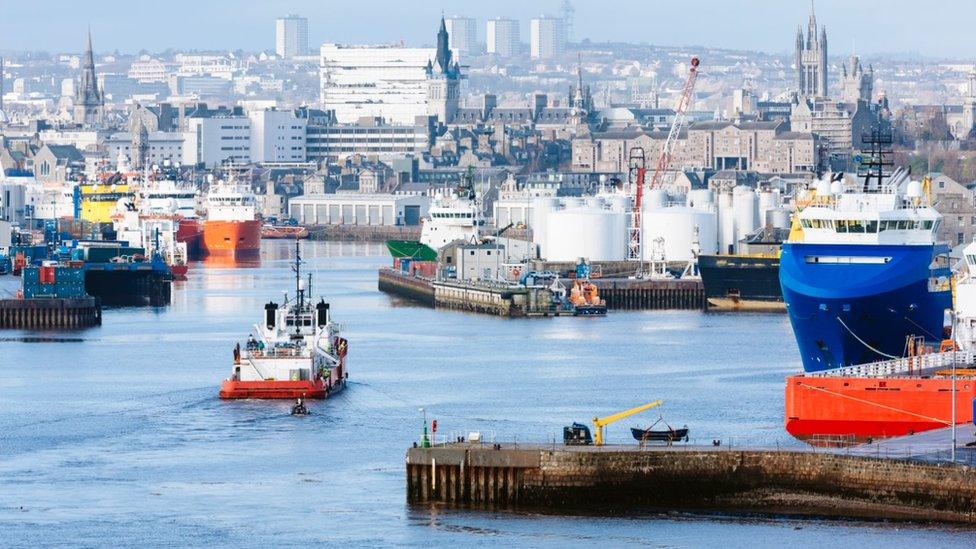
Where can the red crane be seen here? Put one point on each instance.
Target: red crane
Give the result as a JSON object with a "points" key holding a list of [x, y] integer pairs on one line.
{"points": [[638, 169]]}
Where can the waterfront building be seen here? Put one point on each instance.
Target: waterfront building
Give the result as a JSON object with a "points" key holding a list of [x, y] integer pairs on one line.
{"points": [[395, 83], [291, 36], [811, 60], [503, 37], [547, 37], [463, 33], [89, 103], [354, 208]]}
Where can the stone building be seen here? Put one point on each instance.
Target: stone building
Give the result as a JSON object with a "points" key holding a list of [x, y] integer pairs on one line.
{"points": [[840, 125], [857, 84], [956, 204], [811, 60], [89, 102], [767, 147]]}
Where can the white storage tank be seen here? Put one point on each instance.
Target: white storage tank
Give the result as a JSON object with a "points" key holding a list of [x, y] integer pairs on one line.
{"points": [[726, 223], [541, 208], [655, 198], [598, 235], [701, 199], [778, 218], [676, 225], [745, 205]]}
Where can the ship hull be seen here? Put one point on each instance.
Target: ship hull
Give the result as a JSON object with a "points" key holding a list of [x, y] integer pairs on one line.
{"points": [[411, 249], [232, 238], [741, 283], [856, 409], [273, 390], [190, 232], [129, 287], [852, 304]]}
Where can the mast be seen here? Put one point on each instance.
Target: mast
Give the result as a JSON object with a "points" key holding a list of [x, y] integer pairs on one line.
{"points": [[298, 274]]}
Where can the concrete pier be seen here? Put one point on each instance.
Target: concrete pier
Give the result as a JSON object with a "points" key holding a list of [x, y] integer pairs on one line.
{"points": [[621, 478], [50, 314], [620, 294]]}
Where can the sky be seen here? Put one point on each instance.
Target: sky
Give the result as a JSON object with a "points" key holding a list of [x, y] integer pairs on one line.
{"points": [[933, 28]]}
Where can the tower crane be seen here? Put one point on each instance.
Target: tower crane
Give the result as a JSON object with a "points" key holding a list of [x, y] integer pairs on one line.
{"points": [[638, 169]]}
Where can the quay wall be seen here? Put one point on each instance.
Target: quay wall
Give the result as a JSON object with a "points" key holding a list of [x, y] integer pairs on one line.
{"points": [[417, 289], [50, 313], [363, 233], [779, 482]]}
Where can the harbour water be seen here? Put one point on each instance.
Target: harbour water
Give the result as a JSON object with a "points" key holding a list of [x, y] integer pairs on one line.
{"points": [[115, 436]]}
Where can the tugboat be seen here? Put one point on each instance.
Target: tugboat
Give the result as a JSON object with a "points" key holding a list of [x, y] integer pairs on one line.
{"points": [[297, 353]]}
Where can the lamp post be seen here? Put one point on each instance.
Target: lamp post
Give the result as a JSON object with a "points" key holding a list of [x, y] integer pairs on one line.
{"points": [[953, 327], [424, 442], [952, 392]]}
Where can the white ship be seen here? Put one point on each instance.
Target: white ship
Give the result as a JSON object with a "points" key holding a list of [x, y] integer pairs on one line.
{"points": [[297, 351]]}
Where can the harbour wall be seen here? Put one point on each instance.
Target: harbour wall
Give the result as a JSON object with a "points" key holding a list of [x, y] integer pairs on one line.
{"points": [[619, 294], [364, 233], [417, 289], [50, 313], [610, 479]]}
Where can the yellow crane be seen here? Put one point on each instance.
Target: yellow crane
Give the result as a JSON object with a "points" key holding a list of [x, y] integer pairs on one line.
{"points": [[600, 422]]}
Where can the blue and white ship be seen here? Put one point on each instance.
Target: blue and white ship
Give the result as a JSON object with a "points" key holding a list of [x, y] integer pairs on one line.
{"points": [[862, 272]]}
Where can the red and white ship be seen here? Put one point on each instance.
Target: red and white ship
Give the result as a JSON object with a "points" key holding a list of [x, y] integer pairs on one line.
{"points": [[925, 390], [232, 227], [297, 352], [178, 201]]}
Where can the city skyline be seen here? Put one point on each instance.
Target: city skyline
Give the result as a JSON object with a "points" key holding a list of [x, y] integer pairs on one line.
{"points": [[763, 25]]}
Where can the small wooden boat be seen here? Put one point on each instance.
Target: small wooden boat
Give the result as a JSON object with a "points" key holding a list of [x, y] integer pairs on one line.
{"points": [[669, 435]]}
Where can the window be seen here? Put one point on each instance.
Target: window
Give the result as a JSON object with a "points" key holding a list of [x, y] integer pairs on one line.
{"points": [[960, 238]]}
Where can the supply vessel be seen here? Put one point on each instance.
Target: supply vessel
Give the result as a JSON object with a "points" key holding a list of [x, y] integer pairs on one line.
{"points": [[231, 228], [295, 352], [868, 291], [862, 268], [453, 215]]}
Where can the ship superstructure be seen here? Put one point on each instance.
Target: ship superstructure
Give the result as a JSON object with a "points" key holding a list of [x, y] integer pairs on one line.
{"points": [[862, 271], [295, 352]]}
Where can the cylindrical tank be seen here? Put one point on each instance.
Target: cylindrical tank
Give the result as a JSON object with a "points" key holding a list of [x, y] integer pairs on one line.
{"points": [[769, 200], [744, 204], [676, 225], [778, 218], [618, 202], [541, 207], [655, 198], [726, 223], [701, 199], [598, 235]]}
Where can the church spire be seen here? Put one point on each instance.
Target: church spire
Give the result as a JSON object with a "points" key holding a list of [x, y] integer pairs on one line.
{"points": [[443, 49], [88, 98]]}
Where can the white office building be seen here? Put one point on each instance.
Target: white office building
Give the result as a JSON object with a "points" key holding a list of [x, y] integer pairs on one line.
{"points": [[291, 36], [217, 140], [375, 81], [503, 37], [547, 37], [463, 33], [369, 137], [277, 136]]}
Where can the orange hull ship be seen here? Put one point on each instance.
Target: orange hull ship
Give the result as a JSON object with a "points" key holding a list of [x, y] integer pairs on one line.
{"points": [[232, 238], [862, 408]]}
